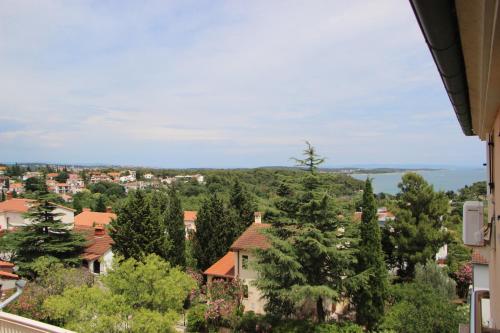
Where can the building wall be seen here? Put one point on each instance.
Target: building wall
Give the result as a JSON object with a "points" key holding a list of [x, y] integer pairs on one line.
{"points": [[254, 302], [8, 284], [68, 216], [494, 266], [106, 262], [481, 276], [15, 220]]}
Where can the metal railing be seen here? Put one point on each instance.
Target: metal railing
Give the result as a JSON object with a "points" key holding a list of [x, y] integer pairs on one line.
{"points": [[10, 323]]}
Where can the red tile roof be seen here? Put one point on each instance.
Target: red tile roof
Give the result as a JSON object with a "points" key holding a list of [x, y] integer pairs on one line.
{"points": [[189, 215], [16, 205], [6, 264], [97, 245], [477, 258], [252, 238], [222, 268], [7, 275], [89, 219]]}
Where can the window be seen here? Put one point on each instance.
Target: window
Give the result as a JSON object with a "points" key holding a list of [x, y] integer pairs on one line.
{"points": [[244, 262]]}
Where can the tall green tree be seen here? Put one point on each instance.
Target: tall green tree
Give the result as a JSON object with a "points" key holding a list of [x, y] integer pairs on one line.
{"points": [[370, 298], [240, 201], [311, 159], [215, 231], [310, 256], [417, 233], [173, 220], [137, 231], [48, 236], [62, 177], [100, 205]]}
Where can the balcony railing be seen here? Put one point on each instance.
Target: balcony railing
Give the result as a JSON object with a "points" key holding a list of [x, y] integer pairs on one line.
{"points": [[10, 323]]}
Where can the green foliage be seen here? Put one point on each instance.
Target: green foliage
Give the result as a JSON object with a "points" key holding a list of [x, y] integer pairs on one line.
{"points": [[62, 177], [311, 160], [100, 205], [436, 277], [35, 184], [369, 298], [138, 229], [45, 236], [243, 206], [418, 308], [143, 296], [196, 321], [309, 256], [417, 233], [52, 279], [215, 231], [173, 219], [111, 190]]}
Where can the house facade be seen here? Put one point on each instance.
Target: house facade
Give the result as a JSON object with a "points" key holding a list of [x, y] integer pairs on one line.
{"points": [[189, 222], [464, 40], [12, 213]]}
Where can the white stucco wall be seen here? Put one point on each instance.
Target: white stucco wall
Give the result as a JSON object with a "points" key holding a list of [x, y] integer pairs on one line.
{"points": [[254, 302], [14, 219], [68, 216], [481, 276], [106, 262], [8, 284]]}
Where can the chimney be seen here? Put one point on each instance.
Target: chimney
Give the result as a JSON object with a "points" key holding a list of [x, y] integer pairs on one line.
{"points": [[99, 230], [109, 209], [86, 209], [258, 217], [9, 195]]}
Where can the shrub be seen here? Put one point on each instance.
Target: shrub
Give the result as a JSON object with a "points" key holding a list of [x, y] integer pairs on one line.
{"points": [[251, 322], [346, 327], [196, 319]]}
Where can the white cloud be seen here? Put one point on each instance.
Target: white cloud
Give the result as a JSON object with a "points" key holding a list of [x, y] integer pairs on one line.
{"points": [[231, 78]]}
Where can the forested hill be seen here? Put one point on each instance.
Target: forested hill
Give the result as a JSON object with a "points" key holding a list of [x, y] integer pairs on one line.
{"points": [[262, 183]]}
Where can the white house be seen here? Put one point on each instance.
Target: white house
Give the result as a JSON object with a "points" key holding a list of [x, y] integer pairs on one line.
{"points": [[97, 255], [12, 213]]}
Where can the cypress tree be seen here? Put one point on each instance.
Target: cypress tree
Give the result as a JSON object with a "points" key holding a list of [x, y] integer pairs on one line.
{"points": [[47, 235], [174, 224], [137, 230], [370, 298], [243, 206], [215, 231]]}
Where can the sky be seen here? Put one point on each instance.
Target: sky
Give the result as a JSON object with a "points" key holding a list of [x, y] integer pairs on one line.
{"points": [[222, 84]]}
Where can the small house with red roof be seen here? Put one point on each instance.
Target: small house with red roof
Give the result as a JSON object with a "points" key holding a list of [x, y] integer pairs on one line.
{"points": [[97, 255], [189, 222], [12, 213], [480, 271], [7, 277], [88, 218]]}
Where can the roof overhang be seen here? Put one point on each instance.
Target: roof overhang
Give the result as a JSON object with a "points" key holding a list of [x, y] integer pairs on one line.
{"points": [[479, 24], [464, 39]]}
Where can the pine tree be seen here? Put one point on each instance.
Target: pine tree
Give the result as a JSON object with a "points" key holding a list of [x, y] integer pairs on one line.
{"points": [[311, 160], [417, 233], [370, 298], [243, 206], [47, 235], [137, 231], [174, 224], [309, 257], [215, 231], [100, 205]]}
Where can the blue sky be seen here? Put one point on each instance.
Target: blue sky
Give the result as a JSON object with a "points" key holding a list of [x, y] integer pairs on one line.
{"points": [[222, 84]]}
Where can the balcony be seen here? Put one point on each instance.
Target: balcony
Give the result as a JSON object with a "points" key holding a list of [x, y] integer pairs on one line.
{"points": [[10, 323]]}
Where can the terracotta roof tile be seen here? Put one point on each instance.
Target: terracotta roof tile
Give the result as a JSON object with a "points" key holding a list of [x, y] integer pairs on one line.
{"points": [[7, 275], [88, 218], [6, 264], [477, 258], [97, 245], [224, 267], [16, 205], [189, 215], [252, 238]]}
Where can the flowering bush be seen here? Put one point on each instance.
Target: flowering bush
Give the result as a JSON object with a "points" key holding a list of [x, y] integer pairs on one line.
{"points": [[224, 302], [464, 279]]}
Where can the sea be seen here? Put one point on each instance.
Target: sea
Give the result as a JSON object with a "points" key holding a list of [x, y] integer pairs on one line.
{"points": [[442, 179]]}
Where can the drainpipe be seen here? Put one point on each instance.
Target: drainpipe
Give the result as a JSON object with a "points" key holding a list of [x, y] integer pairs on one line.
{"points": [[20, 284]]}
